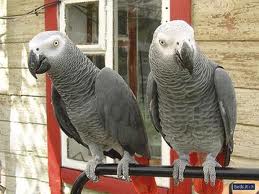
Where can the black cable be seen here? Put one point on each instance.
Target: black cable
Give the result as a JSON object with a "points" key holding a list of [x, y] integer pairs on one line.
{"points": [[79, 184], [35, 11], [230, 188]]}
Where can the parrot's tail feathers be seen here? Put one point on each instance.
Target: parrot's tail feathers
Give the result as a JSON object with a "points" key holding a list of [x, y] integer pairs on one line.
{"points": [[202, 188], [144, 184]]}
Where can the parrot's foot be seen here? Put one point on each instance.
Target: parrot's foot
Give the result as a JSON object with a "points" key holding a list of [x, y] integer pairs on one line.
{"points": [[123, 166], [90, 169], [179, 167], [209, 170]]}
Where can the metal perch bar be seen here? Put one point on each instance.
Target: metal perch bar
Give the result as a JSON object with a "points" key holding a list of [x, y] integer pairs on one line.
{"points": [[167, 171]]}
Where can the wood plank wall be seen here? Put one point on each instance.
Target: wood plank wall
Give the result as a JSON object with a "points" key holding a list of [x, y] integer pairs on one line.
{"points": [[228, 32], [23, 139]]}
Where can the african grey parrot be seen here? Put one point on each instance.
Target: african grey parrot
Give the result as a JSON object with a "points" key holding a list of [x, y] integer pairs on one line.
{"points": [[191, 99], [93, 106]]}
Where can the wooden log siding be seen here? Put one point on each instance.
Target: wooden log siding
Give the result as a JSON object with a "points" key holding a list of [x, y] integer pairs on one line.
{"points": [[22, 29], [20, 138], [226, 20], [26, 165], [21, 82], [25, 185], [244, 146], [23, 139], [227, 31], [23, 109], [15, 77], [13, 55], [239, 58]]}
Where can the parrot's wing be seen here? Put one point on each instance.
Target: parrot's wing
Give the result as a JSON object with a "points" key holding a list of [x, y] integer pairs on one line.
{"points": [[119, 112], [66, 125], [227, 104], [62, 117], [152, 104]]}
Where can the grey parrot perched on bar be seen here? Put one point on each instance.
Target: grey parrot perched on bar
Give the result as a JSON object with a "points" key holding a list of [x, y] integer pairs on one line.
{"points": [[95, 107], [191, 99]]}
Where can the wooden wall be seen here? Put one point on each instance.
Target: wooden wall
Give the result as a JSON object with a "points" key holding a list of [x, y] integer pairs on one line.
{"points": [[23, 140], [228, 32]]}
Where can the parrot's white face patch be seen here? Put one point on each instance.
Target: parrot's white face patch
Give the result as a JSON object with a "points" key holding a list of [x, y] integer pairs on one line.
{"points": [[49, 43], [169, 37]]}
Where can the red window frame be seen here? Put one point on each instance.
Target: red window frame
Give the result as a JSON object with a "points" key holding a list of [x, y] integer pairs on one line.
{"points": [[179, 9]]}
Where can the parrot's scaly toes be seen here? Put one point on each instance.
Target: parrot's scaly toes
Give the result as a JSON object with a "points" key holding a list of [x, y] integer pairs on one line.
{"points": [[179, 167], [123, 168], [209, 171], [119, 171], [90, 170]]}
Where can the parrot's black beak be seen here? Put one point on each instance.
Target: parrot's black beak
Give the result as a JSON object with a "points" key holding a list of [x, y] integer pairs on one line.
{"points": [[37, 65], [185, 57]]}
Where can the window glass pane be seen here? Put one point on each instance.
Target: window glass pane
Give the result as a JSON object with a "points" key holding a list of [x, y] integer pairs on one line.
{"points": [[82, 22], [122, 68], [134, 26], [98, 60], [76, 151]]}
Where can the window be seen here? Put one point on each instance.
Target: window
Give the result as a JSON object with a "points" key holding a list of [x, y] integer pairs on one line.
{"points": [[133, 39], [84, 21], [84, 31], [117, 34], [134, 25]]}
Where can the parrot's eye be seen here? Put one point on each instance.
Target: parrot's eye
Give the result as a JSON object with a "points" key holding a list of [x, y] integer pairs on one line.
{"points": [[162, 42], [55, 43]]}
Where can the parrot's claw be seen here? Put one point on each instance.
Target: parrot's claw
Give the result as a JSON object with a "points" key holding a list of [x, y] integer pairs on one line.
{"points": [[179, 167], [209, 170], [90, 169], [123, 167]]}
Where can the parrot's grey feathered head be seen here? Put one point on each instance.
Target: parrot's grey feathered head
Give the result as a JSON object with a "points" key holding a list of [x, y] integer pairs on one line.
{"points": [[46, 49], [173, 47]]}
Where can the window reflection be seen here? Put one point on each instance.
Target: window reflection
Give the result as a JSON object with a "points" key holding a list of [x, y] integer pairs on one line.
{"points": [[76, 151], [82, 22], [98, 60], [134, 26]]}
